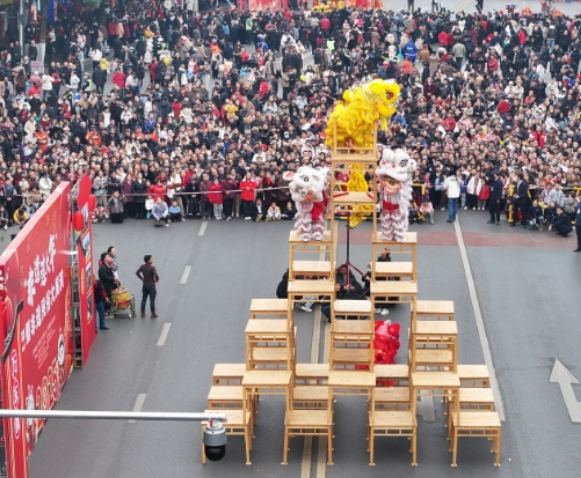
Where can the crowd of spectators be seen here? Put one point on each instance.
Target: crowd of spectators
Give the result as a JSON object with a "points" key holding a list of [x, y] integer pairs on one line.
{"points": [[205, 111]]}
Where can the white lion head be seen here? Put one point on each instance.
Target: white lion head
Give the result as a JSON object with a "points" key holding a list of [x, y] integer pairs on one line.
{"points": [[307, 184], [393, 169]]}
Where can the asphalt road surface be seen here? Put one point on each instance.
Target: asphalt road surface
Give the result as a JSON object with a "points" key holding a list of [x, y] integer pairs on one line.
{"points": [[526, 287]]}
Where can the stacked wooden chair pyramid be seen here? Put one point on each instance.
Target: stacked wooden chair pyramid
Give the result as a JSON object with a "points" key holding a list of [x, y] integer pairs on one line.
{"points": [[392, 391]]}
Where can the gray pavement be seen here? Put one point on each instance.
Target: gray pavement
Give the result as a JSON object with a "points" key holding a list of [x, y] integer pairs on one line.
{"points": [[526, 297]]}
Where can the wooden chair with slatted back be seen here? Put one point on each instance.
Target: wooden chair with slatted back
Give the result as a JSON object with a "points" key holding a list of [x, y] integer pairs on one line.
{"points": [[308, 422]]}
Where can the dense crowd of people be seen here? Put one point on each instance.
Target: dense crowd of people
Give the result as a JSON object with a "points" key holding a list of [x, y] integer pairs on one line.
{"points": [[188, 114]]}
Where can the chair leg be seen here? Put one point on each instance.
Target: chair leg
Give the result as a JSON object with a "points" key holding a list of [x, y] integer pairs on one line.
{"points": [[414, 448], [203, 454], [371, 448], [285, 449], [248, 444], [497, 449], [330, 446], [454, 446]]}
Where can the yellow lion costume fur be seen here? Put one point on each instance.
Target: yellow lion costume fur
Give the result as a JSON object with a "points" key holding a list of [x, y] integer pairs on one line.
{"points": [[355, 118]]}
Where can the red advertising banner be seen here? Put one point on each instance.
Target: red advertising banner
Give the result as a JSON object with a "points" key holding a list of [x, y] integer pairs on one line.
{"points": [[36, 325], [84, 241]]}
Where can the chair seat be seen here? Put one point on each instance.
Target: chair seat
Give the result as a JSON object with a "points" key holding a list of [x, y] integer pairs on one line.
{"points": [[434, 307], [310, 393], [274, 354], [230, 393], [392, 419], [351, 355], [476, 395], [267, 326], [476, 420], [234, 418], [308, 418], [433, 356], [392, 395], [353, 327], [392, 372], [432, 327]]}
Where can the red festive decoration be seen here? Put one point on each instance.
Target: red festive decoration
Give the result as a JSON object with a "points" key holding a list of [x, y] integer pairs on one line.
{"points": [[78, 221], [92, 202]]}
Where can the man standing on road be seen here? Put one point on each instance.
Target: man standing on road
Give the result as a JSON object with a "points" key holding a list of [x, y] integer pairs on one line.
{"points": [[496, 199], [452, 186], [148, 275], [520, 201], [578, 226]]}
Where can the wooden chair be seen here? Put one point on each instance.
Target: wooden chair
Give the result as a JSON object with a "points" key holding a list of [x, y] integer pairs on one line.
{"points": [[298, 247], [434, 310], [393, 292], [309, 397], [474, 376], [409, 247], [308, 422], [397, 373], [238, 423], [311, 373], [269, 344], [391, 398], [352, 310], [472, 399], [401, 270], [469, 424], [228, 373], [351, 344], [314, 269], [391, 423], [269, 308]]}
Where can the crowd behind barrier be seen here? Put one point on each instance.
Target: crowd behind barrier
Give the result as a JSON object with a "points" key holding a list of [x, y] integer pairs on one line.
{"points": [[179, 104]]}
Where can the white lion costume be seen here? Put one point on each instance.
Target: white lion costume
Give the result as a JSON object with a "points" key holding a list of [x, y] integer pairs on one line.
{"points": [[308, 191], [394, 174]]}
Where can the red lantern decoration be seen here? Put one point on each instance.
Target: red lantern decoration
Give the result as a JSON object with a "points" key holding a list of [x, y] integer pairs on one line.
{"points": [[78, 221], [92, 202]]}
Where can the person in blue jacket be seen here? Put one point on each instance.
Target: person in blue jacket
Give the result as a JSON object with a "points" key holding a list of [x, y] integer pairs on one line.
{"points": [[410, 50]]}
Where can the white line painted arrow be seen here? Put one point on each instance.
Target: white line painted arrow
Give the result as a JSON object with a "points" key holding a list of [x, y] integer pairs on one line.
{"points": [[565, 379]]}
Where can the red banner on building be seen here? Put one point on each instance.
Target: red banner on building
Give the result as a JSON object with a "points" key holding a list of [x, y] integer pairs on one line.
{"points": [[84, 240], [36, 325]]}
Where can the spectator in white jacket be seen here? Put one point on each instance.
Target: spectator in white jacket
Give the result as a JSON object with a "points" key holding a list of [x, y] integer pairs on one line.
{"points": [[452, 187]]}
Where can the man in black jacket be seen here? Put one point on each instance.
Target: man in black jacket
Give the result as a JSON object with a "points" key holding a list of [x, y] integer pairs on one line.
{"points": [[495, 204], [520, 201], [107, 276], [561, 223]]}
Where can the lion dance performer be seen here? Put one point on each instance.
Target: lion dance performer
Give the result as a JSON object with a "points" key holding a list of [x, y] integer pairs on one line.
{"points": [[355, 118], [394, 174], [308, 190]]}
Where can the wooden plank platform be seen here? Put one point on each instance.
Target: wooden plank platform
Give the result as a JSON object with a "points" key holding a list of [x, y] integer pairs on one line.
{"points": [[354, 198]]}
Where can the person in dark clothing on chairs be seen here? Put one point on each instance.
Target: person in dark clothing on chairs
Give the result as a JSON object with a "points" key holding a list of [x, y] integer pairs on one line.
{"points": [[495, 199], [520, 201], [561, 223], [148, 275]]}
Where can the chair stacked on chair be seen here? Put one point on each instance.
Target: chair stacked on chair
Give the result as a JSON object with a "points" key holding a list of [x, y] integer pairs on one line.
{"points": [[392, 391]]}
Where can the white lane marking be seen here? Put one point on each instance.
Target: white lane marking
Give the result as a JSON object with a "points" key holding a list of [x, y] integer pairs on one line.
{"points": [[498, 404], [138, 404], [163, 335], [185, 275], [462, 6], [203, 228], [564, 378]]}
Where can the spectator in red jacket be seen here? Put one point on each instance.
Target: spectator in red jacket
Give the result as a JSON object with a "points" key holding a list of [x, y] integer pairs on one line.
{"points": [[216, 198], [248, 186]]}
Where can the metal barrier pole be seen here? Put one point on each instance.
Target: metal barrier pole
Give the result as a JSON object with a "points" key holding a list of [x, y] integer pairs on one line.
{"points": [[110, 415]]}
